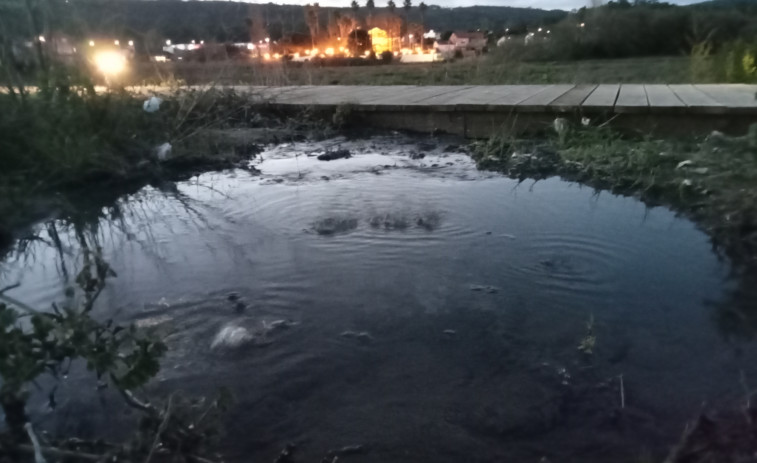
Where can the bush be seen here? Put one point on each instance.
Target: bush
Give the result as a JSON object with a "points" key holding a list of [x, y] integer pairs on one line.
{"points": [[387, 56]]}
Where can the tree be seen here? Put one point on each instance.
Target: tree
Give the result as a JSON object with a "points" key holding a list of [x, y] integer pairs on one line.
{"points": [[355, 6], [311, 19], [392, 6], [407, 5], [370, 6], [422, 7]]}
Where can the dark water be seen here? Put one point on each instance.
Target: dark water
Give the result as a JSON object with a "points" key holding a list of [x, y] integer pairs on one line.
{"points": [[437, 310]]}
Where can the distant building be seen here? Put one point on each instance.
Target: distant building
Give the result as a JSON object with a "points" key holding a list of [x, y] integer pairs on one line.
{"points": [[444, 47], [468, 40]]}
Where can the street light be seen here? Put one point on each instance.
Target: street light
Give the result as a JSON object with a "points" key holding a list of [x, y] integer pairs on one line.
{"points": [[91, 43], [42, 38], [116, 42], [131, 43], [168, 42]]}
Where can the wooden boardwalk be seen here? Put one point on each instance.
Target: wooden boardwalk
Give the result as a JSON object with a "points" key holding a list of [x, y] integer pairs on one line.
{"points": [[477, 110]]}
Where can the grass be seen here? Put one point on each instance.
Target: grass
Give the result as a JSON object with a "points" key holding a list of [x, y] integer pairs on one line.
{"points": [[711, 180], [486, 70], [65, 142]]}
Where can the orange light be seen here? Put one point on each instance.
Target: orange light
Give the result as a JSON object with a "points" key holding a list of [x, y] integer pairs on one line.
{"points": [[330, 51]]}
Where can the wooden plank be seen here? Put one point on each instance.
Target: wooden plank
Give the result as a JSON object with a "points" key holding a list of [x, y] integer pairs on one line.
{"points": [[632, 98], [573, 99], [738, 98], [442, 99], [602, 98], [663, 100], [697, 101], [410, 94], [518, 94], [493, 97], [541, 100]]}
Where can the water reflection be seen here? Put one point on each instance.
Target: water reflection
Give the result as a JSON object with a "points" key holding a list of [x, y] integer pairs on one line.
{"points": [[417, 306]]}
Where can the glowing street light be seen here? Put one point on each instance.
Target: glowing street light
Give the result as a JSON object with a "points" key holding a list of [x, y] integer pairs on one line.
{"points": [[131, 43], [267, 39], [202, 42], [116, 42], [539, 30], [91, 43], [42, 38], [168, 42], [583, 25], [110, 63]]}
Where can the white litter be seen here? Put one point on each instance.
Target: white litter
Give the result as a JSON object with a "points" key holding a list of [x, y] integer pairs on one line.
{"points": [[685, 163], [163, 151], [152, 104], [231, 337]]}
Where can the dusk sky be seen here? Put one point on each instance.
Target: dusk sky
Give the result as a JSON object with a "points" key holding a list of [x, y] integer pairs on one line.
{"points": [[544, 4]]}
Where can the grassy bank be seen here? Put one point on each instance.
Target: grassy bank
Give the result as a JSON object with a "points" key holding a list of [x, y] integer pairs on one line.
{"points": [[712, 180], [492, 69], [65, 143]]}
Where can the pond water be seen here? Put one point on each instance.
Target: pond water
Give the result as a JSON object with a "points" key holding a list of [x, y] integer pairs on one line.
{"points": [[435, 309]]}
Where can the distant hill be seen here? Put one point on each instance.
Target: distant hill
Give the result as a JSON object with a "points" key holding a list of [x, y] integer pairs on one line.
{"points": [[229, 21], [747, 6]]}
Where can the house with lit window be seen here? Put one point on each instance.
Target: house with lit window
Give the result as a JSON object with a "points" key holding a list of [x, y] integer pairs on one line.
{"points": [[468, 40]]}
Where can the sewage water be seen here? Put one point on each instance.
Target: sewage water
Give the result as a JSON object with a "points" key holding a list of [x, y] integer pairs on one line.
{"points": [[436, 309]]}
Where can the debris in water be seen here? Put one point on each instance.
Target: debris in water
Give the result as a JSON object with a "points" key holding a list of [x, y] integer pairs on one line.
{"points": [[486, 289], [239, 307], [360, 335], [275, 325], [286, 455], [450, 332], [233, 296], [333, 155], [416, 156], [685, 163], [346, 450], [334, 225], [430, 221], [232, 337]]}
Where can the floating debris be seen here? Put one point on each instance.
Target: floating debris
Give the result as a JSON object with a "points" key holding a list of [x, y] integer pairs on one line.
{"points": [[276, 325], [240, 307], [233, 296], [232, 337], [360, 335], [486, 289], [334, 225], [346, 450], [286, 455], [450, 332], [334, 155]]}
